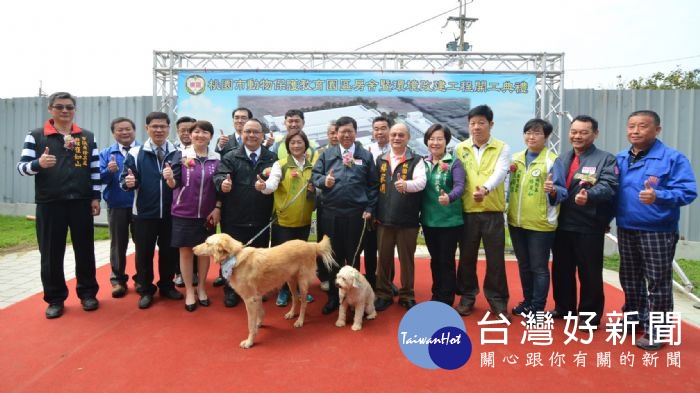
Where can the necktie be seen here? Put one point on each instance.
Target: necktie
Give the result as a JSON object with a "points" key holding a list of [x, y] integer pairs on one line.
{"points": [[125, 150], [253, 157], [572, 170], [160, 153]]}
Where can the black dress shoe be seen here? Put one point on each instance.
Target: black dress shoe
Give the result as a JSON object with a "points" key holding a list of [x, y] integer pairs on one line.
{"points": [[231, 299], [382, 304], [394, 290], [145, 301], [190, 307], [171, 293], [556, 314], [219, 282], [409, 304], [203, 302], [54, 310], [330, 306], [90, 304]]}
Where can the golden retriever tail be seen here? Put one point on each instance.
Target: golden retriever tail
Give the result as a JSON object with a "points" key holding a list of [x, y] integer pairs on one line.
{"points": [[324, 250]]}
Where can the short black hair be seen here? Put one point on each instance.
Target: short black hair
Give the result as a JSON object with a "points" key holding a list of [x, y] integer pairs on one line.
{"points": [[481, 110], [646, 112], [294, 112], [535, 124], [185, 119], [289, 137], [119, 120], [204, 126], [250, 113], [157, 115], [438, 127], [346, 120], [59, 96], [388, 121], [587, 119]]}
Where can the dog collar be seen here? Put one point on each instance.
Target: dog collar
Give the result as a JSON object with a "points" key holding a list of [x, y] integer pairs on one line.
{"points": [[227, 266]]}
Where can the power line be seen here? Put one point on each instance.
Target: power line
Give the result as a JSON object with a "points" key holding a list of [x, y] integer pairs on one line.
{"points": [[408, 28], [633, 65]]}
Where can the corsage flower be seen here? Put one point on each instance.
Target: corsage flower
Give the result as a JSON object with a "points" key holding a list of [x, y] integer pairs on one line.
{"points": [[347, 160], [444, 167], [188, 156], [68, 142], [294, 173], [513, 168], [266, 172]]}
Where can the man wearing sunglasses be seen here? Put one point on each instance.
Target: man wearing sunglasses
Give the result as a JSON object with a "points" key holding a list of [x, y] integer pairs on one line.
{"points": [[65, 163]]}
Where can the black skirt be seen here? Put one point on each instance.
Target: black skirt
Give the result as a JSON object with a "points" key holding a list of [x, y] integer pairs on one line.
{"points": [[189, 232]]}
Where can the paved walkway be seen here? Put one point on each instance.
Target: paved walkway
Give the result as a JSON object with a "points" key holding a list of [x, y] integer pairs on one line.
{"points": [[20, 278]]}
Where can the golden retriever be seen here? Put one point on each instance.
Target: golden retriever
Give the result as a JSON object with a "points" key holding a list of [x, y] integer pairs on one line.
{"points": [[257, 271], [356, 292]]}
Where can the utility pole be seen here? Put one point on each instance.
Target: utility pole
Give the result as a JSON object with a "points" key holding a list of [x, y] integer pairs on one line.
{"points": [[464, 23]]}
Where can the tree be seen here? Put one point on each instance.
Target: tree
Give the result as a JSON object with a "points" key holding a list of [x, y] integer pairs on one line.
{"points": [[676, 79]]}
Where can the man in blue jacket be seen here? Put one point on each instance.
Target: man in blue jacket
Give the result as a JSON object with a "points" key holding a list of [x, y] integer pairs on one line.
{"points": [[119, 202], [152, 202], [655, 181]]}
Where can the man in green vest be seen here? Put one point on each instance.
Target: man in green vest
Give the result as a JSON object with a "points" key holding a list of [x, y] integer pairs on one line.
{"points": [[486, 161], [294, 123]]}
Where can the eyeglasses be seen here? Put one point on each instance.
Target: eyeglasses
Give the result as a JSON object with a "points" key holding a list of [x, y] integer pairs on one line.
{"points": [[60, 107]]}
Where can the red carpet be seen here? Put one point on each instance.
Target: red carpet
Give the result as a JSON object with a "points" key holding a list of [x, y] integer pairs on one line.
{"points": [[120, 348]]}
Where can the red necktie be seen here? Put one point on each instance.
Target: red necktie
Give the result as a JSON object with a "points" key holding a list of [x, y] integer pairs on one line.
{"points": [[572, 170]]}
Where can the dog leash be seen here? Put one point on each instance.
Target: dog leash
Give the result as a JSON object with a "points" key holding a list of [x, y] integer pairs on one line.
{"points": [[359, 245], [273, 219]]}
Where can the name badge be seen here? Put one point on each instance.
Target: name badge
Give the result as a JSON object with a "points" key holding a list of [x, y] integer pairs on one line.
{"points": [[588, 170], [358, 161]]}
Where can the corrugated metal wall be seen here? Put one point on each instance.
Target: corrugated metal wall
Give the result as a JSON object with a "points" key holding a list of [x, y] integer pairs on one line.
{"points": [[677, 109], [19, 115]]}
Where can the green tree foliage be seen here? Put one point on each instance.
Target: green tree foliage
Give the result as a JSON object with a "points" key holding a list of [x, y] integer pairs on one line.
{"points": [[676, 79]]}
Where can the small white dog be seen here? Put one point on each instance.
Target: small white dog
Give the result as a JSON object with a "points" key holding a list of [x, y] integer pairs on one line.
{"points": [[356, 292]]}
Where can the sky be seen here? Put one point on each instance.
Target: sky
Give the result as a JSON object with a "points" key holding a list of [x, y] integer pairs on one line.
{"points": [[95, 48]]}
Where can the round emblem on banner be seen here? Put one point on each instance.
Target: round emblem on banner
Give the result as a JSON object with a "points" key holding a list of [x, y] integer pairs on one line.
{"points": [[536, 173], [195, 84]]}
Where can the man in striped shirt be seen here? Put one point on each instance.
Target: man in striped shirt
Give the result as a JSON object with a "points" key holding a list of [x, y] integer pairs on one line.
{"points": [[65, 163]]}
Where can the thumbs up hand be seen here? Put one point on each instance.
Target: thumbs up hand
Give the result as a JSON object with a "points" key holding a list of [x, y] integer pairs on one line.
{"points": [[549, 185], [223, 139], [581, 198], [443, 199], [130, 179], [479, 194], [168, 172], [260, 184], [47, 160], [112, 165], [330, 180], [400, 185], [226, 184], [648, 195]]}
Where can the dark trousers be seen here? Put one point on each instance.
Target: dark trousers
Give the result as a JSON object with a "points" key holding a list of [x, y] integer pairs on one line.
{"points": [[243, 234], [53, 220], [121, 222], [488, 227], [646, 271], [369, 245], [582, 252], [404, 239], [344, 232], [442, 244], [532, 250], [149, 232]]}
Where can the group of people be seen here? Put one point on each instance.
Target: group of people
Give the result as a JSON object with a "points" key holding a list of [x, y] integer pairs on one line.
{"points": [[372, 198]]}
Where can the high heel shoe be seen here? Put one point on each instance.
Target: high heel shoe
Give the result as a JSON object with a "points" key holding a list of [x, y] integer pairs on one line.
{"points": [[203, 302], [190, 307]]}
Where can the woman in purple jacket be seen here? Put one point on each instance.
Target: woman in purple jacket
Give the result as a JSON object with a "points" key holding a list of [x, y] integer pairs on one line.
{"points": [[196, 209]]}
